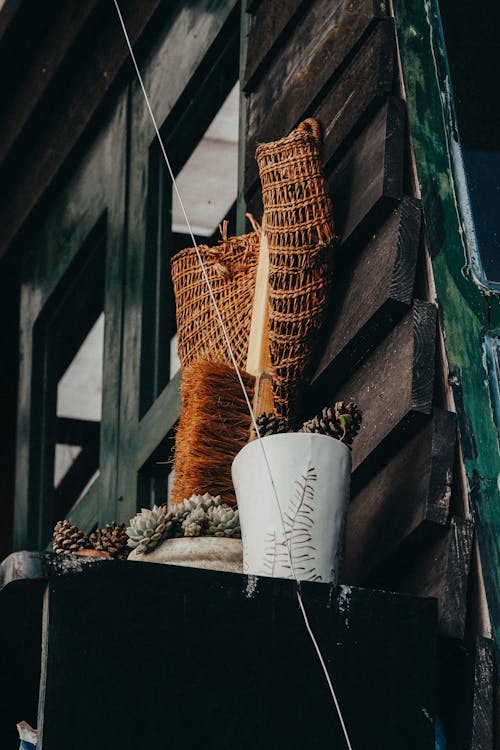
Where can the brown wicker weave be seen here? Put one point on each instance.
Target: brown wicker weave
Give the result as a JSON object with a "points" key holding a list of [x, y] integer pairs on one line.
{"points": [[231, 268], [298, 221]]}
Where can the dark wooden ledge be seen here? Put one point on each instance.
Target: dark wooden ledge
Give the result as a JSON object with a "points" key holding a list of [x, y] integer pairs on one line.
{"points": [[121, 639]]}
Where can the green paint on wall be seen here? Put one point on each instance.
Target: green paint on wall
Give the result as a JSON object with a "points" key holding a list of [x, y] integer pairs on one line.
{"points": [[467, 311]]}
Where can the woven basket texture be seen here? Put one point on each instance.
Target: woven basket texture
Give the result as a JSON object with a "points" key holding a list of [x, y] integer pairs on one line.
{"points": [[298, 221], [231, 267]]}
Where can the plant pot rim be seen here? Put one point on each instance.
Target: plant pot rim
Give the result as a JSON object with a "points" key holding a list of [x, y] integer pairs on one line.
{"points": [[287, 436], [202, 539], [209, 552], [198, 542]]}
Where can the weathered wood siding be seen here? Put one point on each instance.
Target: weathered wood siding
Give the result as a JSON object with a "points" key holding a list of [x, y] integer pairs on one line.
{"points": [[406, 528]]}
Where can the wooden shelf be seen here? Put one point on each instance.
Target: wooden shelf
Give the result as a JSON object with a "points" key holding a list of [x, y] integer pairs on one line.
{"points": [[138, 655]]}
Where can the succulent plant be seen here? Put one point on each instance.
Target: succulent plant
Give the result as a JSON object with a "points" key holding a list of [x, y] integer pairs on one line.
{"points": [[195, 522], [223, 521], [194, 502], [198, 515], [149, 527]]}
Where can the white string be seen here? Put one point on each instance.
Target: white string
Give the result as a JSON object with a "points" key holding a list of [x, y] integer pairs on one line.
{"points": [[235, 365]]}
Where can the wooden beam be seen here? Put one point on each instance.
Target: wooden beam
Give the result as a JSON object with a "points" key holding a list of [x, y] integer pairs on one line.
{"points": [[368, 182], [441, 570], [77, 431], [268, 25], [329, 34], [404, 506], [348, 102], [482, 663], [90, 209], [37, 166], [466, 692], [74, 481], [382, 275], [393, 388], [202, 98], [46, 64], [157, 423], [361, 87]]}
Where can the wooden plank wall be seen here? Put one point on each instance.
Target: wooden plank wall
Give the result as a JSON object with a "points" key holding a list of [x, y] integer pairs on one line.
{"points": [[48, 44], [407, 529]]}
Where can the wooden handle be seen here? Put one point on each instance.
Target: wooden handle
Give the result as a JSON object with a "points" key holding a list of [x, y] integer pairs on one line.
{"points": [[258, 357]]}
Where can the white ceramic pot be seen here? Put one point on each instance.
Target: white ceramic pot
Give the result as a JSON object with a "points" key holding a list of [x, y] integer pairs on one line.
{"points": [[208, 552], [303, 537]]}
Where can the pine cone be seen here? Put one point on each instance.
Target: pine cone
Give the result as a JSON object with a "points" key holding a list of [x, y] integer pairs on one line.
{"points": [[223, 521], [111, 539], [150, 527], [270, 424], [68, 538], [341, 421]]}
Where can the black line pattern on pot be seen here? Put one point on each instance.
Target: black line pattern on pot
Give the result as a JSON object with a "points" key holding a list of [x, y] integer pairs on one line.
{"points": [[297, 537], [270, 552]]}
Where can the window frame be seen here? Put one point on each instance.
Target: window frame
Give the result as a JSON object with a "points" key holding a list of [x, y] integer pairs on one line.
{"points": [[95, 195], [111, 180], [146, 437]]}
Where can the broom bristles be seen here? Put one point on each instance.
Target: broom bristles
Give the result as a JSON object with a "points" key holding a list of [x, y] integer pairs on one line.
{"points": [[213, 427]]}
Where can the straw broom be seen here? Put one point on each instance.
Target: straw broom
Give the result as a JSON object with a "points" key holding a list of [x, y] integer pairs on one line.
{"points": [[215, 421]]}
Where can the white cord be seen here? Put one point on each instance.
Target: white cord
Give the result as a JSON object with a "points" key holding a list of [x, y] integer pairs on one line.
{"points": [[235, 365]]}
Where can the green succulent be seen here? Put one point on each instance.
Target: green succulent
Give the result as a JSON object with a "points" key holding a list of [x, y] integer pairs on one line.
{"points": [[194, 502], [198, 515], [149, 527], [223, 521], [195, 522]]}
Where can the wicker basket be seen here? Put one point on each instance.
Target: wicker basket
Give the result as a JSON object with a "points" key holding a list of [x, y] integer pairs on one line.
{"points": [[231, 267], [299, 225]]}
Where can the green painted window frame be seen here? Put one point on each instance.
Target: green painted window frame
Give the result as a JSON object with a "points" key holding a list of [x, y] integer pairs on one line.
{"points": [[94, 197], [145, 435], [110, 186]]}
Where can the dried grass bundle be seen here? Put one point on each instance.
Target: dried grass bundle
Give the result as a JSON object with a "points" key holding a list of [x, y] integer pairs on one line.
{"points": [[213, 427]]}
